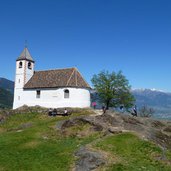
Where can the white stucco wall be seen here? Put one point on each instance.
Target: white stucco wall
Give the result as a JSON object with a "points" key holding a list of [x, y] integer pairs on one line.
{"points": [[23, 74], [29, 72], [53, 98]]}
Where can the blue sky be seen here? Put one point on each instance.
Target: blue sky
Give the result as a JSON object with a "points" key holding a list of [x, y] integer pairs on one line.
{"points": [[94, 35]]}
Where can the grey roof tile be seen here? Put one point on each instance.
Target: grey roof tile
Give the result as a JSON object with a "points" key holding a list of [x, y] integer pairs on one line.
{"points": [[25, 55]]}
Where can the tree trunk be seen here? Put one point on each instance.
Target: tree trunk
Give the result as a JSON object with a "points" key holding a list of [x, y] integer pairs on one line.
{"points": [[107, 104]]}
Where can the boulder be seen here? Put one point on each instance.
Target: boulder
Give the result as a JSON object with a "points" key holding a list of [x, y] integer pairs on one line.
{"points": [[88, 160], [115, 130]]}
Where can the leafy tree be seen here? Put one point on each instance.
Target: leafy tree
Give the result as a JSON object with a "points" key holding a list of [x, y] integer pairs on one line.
{"points": [[113, 89]]}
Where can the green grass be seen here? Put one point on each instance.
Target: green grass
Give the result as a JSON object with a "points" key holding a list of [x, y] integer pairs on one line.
{"points": [[39, 146], [31, 142], [133, 154]]}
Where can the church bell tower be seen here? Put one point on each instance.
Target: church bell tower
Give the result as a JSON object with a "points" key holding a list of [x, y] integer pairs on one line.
{"points": [[24, 71]]}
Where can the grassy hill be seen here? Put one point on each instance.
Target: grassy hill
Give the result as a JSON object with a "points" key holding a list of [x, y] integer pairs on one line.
{"points": [[36, 141]]}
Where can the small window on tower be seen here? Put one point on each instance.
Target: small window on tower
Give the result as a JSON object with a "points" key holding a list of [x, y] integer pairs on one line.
{"points": [[20, 65], [29, 65], [38, 94], [18, 97], [18, 80]]}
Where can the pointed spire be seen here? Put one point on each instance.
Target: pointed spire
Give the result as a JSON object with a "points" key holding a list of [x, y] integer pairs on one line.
{"points": [[25, 55]]}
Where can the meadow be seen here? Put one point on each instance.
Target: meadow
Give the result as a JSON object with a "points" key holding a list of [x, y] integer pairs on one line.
{"points": [[32, 141]]}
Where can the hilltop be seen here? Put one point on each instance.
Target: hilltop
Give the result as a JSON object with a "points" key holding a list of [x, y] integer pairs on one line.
{"points": [[86, 140]]}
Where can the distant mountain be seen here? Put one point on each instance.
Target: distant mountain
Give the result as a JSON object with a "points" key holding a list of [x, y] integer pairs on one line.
{"points": [[7, 84], [157, 99], [152, 97], [6, 93], [6, 98]]}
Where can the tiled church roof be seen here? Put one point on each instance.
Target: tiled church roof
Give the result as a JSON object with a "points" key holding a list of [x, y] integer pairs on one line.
{"points": [[25, 55], [69, 77]]}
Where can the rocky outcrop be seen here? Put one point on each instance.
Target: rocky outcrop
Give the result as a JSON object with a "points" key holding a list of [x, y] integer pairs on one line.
{"points": [[150, 129], [156, 131], [88, 159]]}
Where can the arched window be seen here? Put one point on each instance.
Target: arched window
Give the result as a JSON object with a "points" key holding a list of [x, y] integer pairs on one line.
{"points": [[20, 65], [29, 65], [66, 93]]}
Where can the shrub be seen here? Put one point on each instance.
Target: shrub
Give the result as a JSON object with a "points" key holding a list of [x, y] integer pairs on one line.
{"points": [[146, 111]]}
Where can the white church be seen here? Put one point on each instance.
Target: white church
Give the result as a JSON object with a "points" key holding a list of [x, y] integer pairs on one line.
{"points": [[50, 88]]}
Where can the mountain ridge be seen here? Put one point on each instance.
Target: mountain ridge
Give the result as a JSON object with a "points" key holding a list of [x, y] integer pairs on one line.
{"points": [[7, 84], [160, 101], [6, 93], [151, 97], [149, 89]]}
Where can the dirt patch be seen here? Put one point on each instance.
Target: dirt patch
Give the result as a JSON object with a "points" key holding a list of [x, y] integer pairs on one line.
{"points": [[25, 125], [2, 168], [77, 131], [31, 144], [2, 130]]}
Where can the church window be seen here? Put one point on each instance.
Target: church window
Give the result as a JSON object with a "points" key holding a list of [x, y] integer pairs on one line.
{"points": [[20, 65], [38, 94], [18, 80], [66, 94], [29, 65], [18, 97]]}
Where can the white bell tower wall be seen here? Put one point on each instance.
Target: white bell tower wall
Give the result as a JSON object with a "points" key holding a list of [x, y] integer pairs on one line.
{"points": [[24, 71]]}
